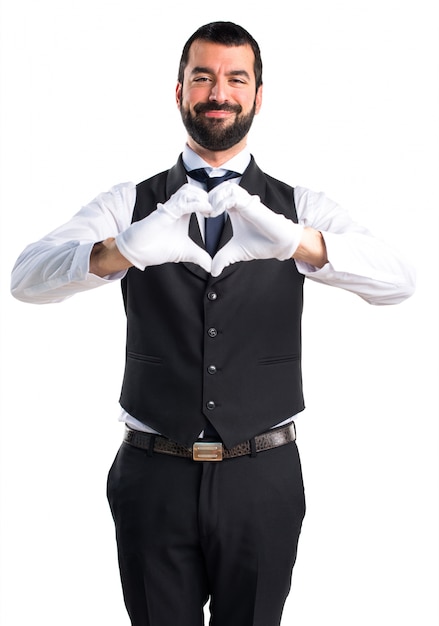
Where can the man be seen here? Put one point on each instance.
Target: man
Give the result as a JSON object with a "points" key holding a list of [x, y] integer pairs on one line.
{"points": [[206, 490]]}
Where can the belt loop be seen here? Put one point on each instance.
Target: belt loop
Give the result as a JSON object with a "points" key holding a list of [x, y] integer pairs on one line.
{"points": [[150, 450], [253, 448]]}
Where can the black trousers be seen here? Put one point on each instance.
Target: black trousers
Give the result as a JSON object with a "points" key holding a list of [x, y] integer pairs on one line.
{"points": [[188, 530]]}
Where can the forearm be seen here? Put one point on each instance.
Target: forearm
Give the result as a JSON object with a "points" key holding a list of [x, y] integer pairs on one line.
{"points": [[312, 248], [105, 259]]}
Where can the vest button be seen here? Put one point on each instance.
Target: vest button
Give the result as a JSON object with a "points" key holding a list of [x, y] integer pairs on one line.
{"points": [[212, 369], [212, 295], [212, 332], [211, 405]]}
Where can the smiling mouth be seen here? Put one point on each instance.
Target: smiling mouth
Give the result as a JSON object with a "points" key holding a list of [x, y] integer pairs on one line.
{"points": [[214, 110], [217, 114]]}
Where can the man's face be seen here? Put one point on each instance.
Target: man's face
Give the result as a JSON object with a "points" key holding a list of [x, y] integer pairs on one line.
{"points": [[218, 98]]}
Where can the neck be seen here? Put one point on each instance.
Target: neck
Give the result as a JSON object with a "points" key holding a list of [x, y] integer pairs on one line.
{"points": [[216, 158]]}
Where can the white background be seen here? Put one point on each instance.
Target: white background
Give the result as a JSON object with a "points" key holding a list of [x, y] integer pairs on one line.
{"points": [[350, 108]]}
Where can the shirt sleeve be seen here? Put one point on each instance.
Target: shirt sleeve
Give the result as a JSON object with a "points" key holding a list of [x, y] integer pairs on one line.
{"points": [[57, 266], [357, 261]]}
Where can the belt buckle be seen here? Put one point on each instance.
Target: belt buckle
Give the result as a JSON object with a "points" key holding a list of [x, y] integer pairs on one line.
{"points": [[207, 451]]}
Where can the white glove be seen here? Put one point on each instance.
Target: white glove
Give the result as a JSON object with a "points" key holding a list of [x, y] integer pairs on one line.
{"points": [[163, 236], [258, 232]]}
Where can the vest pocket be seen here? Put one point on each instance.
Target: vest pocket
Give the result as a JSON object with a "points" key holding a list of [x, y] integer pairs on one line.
{"points": [[279, 360], [145, 358]]}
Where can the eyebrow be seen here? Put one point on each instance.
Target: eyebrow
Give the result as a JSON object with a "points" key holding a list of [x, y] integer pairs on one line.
{"points": [[199, 69]]}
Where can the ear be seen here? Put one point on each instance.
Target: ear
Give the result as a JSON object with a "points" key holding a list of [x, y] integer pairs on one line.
{"points": [[178, 91], [258, 100]]}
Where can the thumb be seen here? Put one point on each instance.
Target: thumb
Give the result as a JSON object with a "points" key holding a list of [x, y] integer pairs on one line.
{"points": [[222, 259], [200, 257]]}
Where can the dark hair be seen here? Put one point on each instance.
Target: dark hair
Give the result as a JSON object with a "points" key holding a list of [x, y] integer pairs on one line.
{"points": [[227, 34]]}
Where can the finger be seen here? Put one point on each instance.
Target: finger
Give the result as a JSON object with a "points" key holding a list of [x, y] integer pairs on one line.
{"points": [[217, 266], [219, 209], [191, 191], [226, 204], [222, 198], [197, 205], [229, 195], [205, 209]]}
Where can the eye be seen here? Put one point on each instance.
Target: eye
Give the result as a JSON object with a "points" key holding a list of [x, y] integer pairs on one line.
{"points": [[201, 79]]}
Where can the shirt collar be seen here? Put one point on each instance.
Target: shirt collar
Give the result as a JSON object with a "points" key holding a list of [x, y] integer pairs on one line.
{"points": [[238, 163]]}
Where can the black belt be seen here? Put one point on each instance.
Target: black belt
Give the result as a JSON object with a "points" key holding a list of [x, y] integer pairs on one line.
{"points": [[211, 450]]}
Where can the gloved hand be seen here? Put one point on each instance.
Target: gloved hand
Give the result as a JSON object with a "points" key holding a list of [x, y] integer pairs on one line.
{"points": [[163, 236], [258, 232]]}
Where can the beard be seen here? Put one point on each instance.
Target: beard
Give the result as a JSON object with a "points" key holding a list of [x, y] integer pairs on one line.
{"points": [[216, 134]]}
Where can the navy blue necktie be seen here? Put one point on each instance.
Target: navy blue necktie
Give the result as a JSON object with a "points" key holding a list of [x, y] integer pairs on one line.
{"points": [[213, 225]]}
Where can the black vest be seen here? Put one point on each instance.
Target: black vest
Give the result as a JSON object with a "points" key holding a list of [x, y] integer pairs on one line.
{"points": [[228, 348]]}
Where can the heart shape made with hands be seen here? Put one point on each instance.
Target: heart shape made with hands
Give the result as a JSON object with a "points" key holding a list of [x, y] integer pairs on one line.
{"points": [[163, 235]]}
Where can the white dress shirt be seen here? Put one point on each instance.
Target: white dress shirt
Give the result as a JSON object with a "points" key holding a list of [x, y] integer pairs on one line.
{"points": [[57, 266]]}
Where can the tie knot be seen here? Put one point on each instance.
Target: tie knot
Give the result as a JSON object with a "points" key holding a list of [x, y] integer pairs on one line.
{"points": [[211, 181]]}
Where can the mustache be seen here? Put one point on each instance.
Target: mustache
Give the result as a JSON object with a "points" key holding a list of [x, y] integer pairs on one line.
{"points": [[204, 107]]}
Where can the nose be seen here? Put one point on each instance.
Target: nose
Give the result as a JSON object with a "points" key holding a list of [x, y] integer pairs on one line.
{"points": [[218, 92]]}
